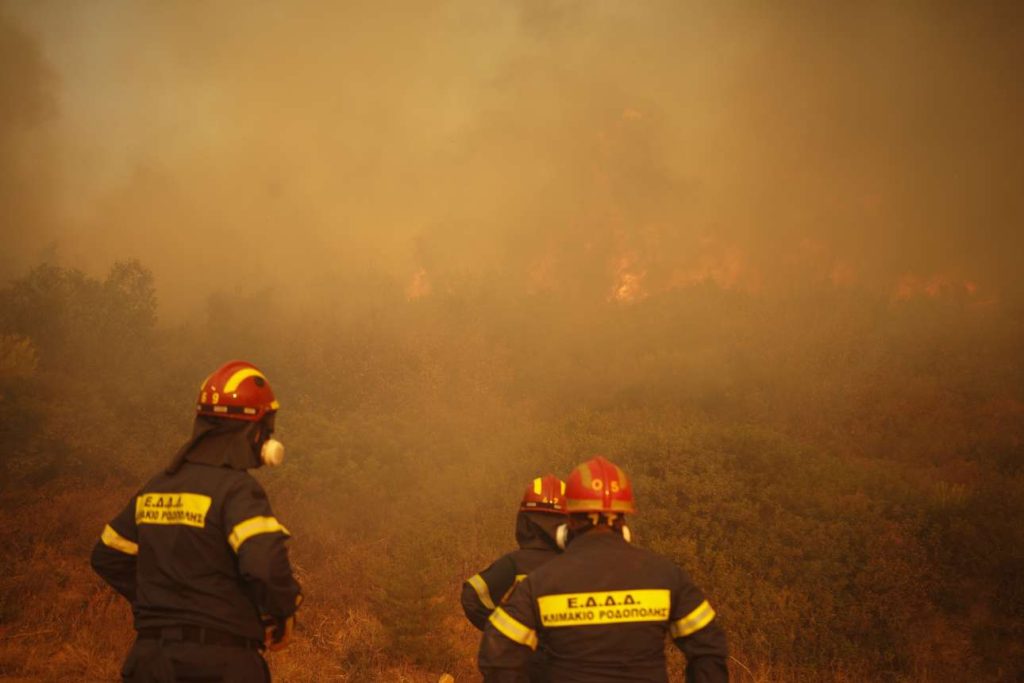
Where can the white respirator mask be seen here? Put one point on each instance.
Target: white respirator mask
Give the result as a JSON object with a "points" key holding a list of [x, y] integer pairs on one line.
{"points": [[272, 453], [562, 536]]}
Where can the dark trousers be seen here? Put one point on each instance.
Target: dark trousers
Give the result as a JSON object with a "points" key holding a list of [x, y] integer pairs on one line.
{"points": [[176, 661]]}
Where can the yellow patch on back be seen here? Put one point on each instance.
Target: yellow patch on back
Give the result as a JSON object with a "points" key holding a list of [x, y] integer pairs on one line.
{"points": [[609, 607], [188, 509]]}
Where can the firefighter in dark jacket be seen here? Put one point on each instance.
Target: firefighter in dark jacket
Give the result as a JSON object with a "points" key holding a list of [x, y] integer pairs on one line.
{"points": [[198, 551], [601, 609], [541, 513]]}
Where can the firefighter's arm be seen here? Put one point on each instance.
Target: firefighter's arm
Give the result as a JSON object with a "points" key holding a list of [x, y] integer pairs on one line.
{"points": [[510, 638], [115, 555], [695, 630], [483, 592], [258, 538]]}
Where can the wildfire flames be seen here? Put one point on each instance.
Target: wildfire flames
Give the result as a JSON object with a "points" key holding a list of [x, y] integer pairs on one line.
{"points": [[629, 280], [912, 286], [419, 285]]}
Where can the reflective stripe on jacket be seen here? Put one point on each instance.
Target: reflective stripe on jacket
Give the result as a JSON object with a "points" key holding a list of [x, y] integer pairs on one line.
{"points": [[483, 592], [200, 547], [601, 611]]}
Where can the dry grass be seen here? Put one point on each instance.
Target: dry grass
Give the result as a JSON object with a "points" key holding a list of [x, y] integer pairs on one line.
{"points": [[60, 623]]}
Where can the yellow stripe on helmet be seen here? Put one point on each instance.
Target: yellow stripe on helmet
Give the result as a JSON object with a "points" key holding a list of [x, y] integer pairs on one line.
{"points": [[585, 475], [237, 378], [587, 505]]}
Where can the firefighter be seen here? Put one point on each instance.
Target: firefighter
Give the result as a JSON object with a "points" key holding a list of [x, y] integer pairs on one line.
{"points": [[602, 608], [198, 551], [541, 513]]}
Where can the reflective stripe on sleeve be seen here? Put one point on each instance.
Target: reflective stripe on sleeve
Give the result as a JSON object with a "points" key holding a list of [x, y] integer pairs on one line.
{"points": [[254, 526], [112, 539], [513, 630], [693, 622], [482, 591]]}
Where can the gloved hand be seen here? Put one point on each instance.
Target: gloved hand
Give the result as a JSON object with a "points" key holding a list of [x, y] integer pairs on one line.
{"points": [[277, 631]]}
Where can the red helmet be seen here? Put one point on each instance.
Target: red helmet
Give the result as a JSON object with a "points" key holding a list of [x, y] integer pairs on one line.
{"points": [[598, 486], [236, 390], [545, 494]]}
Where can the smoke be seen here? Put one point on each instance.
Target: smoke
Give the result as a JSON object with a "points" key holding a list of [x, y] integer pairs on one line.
{"points": [[608, 150], [26, 105]]}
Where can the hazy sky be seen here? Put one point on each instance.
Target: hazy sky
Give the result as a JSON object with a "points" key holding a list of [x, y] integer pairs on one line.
{"points": [[614, 149]]}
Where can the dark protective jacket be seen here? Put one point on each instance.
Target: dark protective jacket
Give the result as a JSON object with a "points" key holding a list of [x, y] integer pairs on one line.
{"points": [[483, 592], [601, 611], [200, 547]]}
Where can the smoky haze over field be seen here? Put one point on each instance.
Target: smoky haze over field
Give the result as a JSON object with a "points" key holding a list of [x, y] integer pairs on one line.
{"points": [[329, 151], [763, 255]]}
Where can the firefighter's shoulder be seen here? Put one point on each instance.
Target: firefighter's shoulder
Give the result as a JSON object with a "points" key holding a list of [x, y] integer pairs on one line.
{"points": [[241, 481], [626, 566]]}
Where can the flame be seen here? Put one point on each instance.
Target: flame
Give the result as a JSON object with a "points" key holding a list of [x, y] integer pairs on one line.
{"points": [[912, 286], [419, 285], [629, 280]]}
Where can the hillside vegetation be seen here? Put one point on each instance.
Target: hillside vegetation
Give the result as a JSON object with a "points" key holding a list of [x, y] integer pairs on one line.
{"points": [[841, 472]]}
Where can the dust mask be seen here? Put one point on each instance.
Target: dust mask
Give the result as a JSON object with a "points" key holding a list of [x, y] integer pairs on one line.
{"points": [[562, 536], [272, 452]]}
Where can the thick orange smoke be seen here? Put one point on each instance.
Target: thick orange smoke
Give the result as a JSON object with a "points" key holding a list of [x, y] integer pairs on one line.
{"points": [[607, 150]]}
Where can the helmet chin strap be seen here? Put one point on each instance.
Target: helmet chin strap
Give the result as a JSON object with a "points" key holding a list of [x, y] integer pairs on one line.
{"points": [[272, 452]]}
